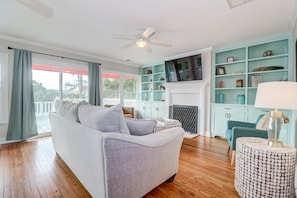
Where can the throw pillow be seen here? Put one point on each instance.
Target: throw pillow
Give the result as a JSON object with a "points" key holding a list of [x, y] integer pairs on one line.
{"points": [[263, 122], [102, 118], [141, 127], [68, 110], [57, 106]]}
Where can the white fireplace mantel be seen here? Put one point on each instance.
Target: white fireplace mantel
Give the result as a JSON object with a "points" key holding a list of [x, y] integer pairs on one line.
{"points": [[189, 93]]}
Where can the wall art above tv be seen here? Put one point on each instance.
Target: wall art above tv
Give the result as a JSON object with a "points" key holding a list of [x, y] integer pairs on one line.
{"points": [[184, 69]]}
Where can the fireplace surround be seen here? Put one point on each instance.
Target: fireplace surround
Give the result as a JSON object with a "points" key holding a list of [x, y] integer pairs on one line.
{"points": [[190, 94]]}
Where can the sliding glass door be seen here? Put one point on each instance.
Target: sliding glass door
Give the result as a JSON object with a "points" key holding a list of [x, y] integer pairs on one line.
{"points": [[74, 85], [46, 90], [56, 79]]}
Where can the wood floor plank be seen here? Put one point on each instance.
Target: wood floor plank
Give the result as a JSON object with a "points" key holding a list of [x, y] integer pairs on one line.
{"points": [[32, 169]]}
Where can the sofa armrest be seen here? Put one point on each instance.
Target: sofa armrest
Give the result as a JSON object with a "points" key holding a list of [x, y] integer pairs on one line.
{"points": [[144, 161]]}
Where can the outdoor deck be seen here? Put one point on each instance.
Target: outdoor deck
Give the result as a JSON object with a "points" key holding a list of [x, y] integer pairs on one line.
{"points": [[43, 124]]}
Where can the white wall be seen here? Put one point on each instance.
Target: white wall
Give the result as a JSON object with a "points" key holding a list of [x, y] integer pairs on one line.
{"points": [[6, 42]]}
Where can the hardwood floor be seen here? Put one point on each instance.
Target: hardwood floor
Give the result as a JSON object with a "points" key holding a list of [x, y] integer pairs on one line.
{"points": [[32, 169]]}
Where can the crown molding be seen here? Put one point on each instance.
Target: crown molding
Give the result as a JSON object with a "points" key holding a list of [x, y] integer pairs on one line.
{"points": [[64, 50]]}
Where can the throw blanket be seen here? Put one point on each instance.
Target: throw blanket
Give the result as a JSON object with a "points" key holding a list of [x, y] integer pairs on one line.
{"points": [[165, 123]]}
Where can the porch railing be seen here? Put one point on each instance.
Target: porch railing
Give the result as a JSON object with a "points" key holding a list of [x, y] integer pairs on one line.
{"points": [[44, 108]]}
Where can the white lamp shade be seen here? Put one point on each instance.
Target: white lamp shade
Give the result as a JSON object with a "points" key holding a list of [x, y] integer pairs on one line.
{"points": [[277, 95]]}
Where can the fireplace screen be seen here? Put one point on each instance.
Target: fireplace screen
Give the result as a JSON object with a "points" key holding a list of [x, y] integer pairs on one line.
{"points": [[187, 115]]}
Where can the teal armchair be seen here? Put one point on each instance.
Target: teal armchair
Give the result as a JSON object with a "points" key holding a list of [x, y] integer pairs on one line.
{"points": [[236, 129]]}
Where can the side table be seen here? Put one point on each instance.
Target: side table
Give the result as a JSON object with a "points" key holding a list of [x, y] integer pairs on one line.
{"points": [[264, 171]]}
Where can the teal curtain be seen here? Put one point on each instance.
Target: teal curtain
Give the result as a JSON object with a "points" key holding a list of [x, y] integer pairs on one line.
{"points": [[22, 120], [94, 75]]}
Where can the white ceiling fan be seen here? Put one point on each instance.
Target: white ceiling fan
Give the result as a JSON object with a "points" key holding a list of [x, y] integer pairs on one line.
{"points": [[142, 40], [37, 6]]}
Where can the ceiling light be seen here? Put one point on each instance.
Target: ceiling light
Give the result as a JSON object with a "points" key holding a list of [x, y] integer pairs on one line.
{"points": [[141, 43], [235, 3]]}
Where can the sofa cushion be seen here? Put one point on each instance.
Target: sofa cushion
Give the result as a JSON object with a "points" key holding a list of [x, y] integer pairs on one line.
{"points": [[67, 110], [102, 118], [140, 127]]}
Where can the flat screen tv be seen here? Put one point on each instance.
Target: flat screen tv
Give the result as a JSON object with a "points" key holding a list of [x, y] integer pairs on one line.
{"points": [[184, 69]]}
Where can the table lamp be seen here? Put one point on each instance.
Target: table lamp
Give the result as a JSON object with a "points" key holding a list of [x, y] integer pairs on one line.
{"points": [[276, 95]]}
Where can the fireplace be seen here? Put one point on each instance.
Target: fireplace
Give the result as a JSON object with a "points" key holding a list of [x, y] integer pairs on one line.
{"points": [[187, 115], [194, 95]]}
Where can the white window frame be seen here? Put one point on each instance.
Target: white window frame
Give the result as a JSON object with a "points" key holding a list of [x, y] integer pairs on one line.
{"points": [[121, 85], [3, 88]]}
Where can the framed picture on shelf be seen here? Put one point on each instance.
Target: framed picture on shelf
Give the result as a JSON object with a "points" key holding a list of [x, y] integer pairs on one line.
{"points": [[230, 59], [255, 80], [220, 71]]}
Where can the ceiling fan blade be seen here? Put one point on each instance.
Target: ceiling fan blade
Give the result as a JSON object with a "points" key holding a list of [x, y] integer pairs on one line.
{"points": [[160, 43], [148, 32], [149, 49], [38, 7], [124, 37], [127, 45]]}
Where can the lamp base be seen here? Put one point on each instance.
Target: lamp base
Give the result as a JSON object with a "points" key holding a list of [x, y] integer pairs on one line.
{"points": [[275, 143]]}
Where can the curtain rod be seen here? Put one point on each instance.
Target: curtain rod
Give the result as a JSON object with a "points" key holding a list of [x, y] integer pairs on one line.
{"points": [[57, 56]]}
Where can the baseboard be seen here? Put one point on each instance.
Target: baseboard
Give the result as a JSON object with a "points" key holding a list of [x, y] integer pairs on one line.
{"points": [[207, 134], [41, 135], [2, 140], [190, 135]]}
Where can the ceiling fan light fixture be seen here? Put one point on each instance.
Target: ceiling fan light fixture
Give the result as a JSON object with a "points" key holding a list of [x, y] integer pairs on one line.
{"points": [[141, 43]]}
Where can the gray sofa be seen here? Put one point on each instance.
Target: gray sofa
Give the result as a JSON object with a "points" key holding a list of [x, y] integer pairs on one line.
{"points": [[119, 163]]}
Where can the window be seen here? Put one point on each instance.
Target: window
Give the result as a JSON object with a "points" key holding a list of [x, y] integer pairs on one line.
{"points": [[3, 88], [111, 89], [130, 91], [75, 84], [56, 79], [119, 89]]}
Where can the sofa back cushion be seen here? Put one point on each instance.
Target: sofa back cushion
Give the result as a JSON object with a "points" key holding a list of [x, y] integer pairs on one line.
{"points": [[102, 118], [67, 110], [141, 127]]}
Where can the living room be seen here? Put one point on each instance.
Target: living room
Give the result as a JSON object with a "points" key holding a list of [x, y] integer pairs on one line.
{"points": [[64, 43]]}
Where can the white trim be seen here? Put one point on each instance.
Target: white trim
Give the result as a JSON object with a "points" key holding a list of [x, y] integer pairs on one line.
{"points": [[4, 67], [4, 141], [191, 53], [40, 135]]}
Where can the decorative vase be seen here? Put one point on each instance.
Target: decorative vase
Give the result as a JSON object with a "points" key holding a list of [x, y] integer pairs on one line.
{"points": [[240, 99], [274, 127], [221, 98]]}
